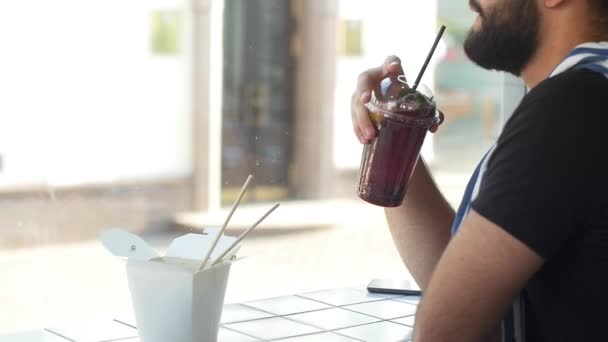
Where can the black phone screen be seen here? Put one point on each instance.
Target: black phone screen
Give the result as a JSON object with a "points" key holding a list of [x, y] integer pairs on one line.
{"points": [[392, 286]]}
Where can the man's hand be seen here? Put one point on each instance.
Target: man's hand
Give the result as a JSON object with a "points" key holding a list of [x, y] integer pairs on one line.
{"points": [[481, 272], [369, 81]]}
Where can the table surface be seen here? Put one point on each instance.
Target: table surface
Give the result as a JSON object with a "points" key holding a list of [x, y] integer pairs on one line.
{"points": [[340, 315]]}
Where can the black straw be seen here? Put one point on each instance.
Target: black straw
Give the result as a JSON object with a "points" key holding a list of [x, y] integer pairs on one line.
{"points": [[428, 58]]}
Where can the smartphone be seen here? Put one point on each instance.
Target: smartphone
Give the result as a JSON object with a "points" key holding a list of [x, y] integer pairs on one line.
{"points": [[393, 286]]}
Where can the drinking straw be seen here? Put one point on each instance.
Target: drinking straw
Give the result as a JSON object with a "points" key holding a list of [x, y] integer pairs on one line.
{"points": [[428, 57], [221, 232], [242, 236]]}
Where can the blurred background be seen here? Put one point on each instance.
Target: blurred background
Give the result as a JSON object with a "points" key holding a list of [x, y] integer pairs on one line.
{"points": [[148, 115]]}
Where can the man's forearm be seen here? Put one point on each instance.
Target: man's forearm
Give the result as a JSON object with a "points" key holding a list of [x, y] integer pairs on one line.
{"points": [[421, 225], [473, 285]]}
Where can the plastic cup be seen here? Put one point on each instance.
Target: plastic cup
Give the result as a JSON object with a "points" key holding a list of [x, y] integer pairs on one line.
{"points": [[402, 118]]}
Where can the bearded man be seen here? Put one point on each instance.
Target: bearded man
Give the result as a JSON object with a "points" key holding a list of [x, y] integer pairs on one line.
{"points": [[524, 257]]}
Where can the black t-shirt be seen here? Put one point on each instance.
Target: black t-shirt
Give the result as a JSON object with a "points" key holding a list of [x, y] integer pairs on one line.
{"points": [[546, 184]]}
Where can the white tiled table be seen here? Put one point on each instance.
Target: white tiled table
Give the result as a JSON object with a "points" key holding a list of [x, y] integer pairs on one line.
{"points": [[341, 315]]}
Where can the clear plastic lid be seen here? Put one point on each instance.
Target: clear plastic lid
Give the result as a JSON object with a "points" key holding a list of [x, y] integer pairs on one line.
{"points": [[396, 100]]}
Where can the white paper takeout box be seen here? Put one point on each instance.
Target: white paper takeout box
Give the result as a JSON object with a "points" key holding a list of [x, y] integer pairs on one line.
{"points": [[172, 298]]}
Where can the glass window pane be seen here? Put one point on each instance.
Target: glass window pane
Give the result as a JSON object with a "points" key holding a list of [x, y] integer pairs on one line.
{"points": [[149, 116]]}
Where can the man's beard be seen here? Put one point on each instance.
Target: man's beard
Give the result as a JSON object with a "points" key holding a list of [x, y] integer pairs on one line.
{"points": [[507, 38]]}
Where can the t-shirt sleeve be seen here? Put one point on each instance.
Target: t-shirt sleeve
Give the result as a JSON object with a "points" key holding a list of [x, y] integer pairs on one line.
{"points": [[533, 182]]}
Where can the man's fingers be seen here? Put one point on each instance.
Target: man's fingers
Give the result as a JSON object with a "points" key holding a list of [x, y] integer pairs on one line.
{"points": [[364, 122], [366, 96], [367, 82], [392, 70], [359, 135], [392, 67], [370, 80], [362, 114]]}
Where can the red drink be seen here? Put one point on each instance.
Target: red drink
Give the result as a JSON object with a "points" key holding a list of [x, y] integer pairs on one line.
{"points": [[388, 161]]}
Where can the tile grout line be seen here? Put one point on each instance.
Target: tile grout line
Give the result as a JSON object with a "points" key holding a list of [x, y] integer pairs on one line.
{"points": [[120, 339], [242, 333], [393, 299], [356, 325], [305, 324], [310, 334], [286, 316], [273, 316], [58, 334], [319, 301], [380, 318], [301, 296], [332, 306], [124, 323], [335, 331], [392, 320]]}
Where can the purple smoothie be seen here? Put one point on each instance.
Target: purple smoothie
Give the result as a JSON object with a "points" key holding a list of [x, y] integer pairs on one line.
{"points": [[388, 161]]}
